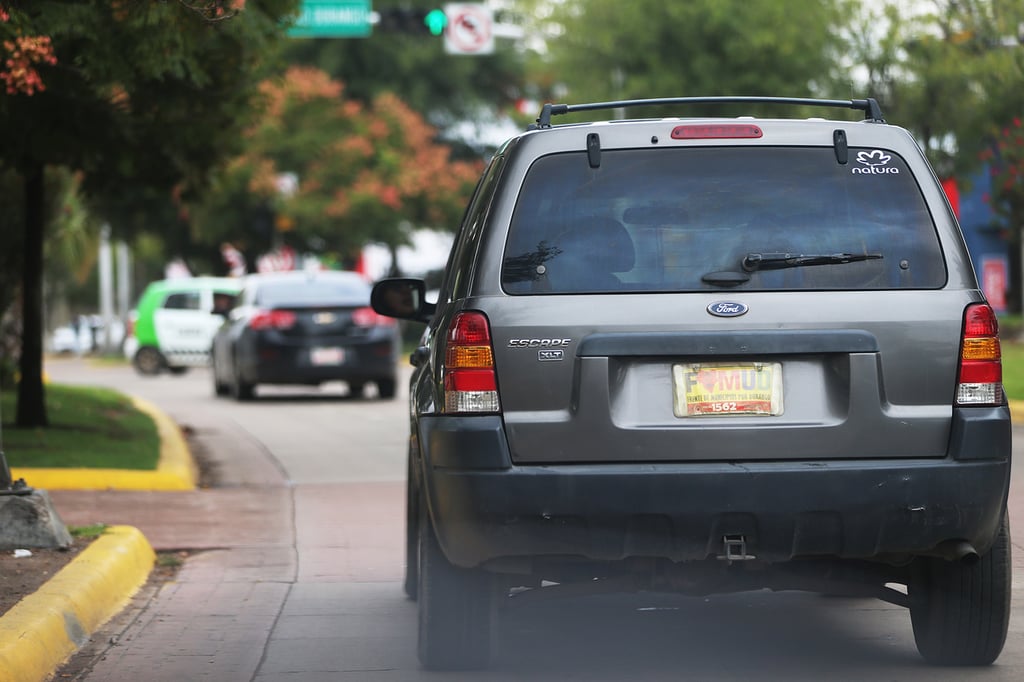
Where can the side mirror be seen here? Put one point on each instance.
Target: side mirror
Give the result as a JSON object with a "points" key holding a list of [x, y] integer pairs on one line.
{"points": [[401, 297]]}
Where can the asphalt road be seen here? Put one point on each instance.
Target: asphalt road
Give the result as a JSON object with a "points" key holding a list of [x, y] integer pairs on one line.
{"points": [[300, 577]]}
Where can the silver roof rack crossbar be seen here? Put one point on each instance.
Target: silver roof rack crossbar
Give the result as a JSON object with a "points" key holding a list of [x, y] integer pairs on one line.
{"points": [[872, 112]]}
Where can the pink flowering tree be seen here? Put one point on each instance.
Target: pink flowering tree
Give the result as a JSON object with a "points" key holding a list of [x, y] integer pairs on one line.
{"points": [[21, 55]]}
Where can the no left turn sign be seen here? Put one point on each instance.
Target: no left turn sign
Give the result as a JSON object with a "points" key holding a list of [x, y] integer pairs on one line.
{"points": [[470, 29]]}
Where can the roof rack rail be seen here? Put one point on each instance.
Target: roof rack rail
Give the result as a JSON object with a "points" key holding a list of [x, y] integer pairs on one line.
{"points": [[872, 112]]}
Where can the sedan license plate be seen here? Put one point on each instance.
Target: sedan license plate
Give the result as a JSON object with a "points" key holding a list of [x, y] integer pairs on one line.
{"points": [[736, 388], [326, 356]]}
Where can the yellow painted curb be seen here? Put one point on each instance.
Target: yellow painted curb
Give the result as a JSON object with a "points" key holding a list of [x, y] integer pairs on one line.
{"points": [[1016, 411], [176, 470], [42, 630]]}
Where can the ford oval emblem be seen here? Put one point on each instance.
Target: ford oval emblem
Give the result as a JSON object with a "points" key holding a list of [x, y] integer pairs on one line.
{"points": [[727, 309]]}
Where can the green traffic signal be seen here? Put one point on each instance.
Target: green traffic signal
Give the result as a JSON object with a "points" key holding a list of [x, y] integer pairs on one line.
{"points": [[436, 20]]}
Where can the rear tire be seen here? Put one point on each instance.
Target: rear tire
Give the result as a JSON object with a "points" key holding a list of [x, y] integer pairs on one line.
{"points": [[148, 361], [386, 388], [220, 389], [355, 390], [960, 612], [412, 508], [454, 608], [241, 389]]}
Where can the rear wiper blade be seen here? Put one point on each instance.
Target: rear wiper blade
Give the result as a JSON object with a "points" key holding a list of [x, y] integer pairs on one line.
{"points": [[778, 261]]}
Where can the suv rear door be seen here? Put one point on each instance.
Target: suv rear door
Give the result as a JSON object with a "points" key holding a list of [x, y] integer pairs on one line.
{"points": [[674, 268]]}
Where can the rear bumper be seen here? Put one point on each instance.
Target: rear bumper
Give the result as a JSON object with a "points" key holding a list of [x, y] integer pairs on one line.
{"points": [[292, 364], [856, 509]]}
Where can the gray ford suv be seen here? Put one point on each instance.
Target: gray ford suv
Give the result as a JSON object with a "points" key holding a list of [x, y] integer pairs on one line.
{"points": [[708, 355]]}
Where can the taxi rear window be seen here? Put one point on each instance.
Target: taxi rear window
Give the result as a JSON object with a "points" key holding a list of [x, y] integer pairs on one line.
{"points": [[709, 218]]}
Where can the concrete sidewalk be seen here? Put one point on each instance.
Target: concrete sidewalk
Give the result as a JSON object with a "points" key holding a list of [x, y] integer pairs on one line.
{"points": [[43, 630], [149, 512]]}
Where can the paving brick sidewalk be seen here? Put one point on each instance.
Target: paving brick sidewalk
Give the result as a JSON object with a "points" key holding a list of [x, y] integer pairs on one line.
{"points": [[251, 526]]}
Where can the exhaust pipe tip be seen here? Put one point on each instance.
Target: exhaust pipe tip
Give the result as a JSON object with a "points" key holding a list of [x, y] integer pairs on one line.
{"points": [[958, 550]]}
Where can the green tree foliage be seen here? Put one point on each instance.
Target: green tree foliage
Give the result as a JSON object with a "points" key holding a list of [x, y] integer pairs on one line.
{"points": [[607, 49], [325, 173], [135, 96], [952, 72]]}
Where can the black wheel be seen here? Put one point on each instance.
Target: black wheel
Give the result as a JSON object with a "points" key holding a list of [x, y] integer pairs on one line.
{"points": [[454, 608], [960, 612], [412, 508], [219, 387], [386, 388], [148, 361], [355, 389], [241, 389]]}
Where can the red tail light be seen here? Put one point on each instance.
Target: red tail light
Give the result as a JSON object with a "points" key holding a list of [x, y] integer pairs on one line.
{"points": [[716, 131], [272, 319], [470, 382], [368, 317], [980, 380]]}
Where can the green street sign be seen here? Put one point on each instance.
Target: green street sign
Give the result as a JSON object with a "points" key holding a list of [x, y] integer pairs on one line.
{"points": [[332, 19]]}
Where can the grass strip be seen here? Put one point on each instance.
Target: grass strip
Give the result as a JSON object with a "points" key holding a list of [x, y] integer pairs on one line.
{"points": [[1013, 370], [89, 427]]}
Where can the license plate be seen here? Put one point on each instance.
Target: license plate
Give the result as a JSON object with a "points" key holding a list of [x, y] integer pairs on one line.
{"points": [[753, 388], [327, 356]]}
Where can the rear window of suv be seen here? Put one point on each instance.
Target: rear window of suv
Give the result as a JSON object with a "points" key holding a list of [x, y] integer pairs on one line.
{"points": [[711, 218]]}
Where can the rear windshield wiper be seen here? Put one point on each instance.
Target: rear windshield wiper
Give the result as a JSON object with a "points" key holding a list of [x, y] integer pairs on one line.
{"points": [[778, 261]]}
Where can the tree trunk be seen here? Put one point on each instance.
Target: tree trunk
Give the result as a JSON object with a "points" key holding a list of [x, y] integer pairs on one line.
{"points": [[395, 270], [31, 397]]}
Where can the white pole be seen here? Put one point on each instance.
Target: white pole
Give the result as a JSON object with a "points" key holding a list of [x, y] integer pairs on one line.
{"points": [[106, 288], [124, 285]]}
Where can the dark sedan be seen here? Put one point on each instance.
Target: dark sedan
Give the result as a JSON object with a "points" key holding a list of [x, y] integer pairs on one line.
{"points": [[305, 328]]}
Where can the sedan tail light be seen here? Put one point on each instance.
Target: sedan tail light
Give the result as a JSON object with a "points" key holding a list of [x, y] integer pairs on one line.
{"points": [[368, 317], [272, 319], [470, 382], [980, 376]]}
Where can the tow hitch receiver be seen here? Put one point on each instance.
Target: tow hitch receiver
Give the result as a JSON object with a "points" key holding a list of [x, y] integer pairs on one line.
{"points": [[735, 549]]}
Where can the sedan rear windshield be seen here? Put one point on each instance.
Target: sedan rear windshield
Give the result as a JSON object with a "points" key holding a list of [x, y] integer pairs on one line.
{"points": [[314, 292], [742, 218]]}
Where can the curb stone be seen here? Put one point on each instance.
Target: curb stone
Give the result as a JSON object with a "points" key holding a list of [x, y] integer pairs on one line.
{"points": [[44, 629], [176, 470]]}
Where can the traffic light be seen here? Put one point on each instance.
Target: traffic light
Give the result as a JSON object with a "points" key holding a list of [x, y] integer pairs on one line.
{"points": [[405, 20], [436, 21]]}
